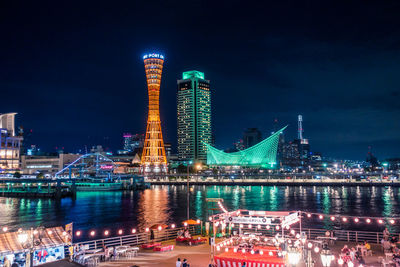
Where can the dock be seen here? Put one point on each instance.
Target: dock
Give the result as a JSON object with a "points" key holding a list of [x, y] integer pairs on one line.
{"points": [[36, 188]]}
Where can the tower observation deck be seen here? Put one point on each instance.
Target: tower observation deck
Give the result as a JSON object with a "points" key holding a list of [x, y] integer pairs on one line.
{"points": [[153, 156]]}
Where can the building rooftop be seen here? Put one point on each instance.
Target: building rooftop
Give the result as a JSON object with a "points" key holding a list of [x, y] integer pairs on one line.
{"points": [[192, 74]]}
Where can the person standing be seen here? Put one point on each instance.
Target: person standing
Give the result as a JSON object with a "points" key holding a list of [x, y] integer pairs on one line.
{"points": [[71, 253], [178, 262], [386, 234], [185, 263]]}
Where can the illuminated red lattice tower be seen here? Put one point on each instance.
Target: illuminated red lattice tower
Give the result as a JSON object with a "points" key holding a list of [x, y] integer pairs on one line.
{"points": [[153, 156]]}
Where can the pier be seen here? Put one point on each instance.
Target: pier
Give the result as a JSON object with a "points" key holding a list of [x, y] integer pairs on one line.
{"points": [[271, 179], [32, 187]]}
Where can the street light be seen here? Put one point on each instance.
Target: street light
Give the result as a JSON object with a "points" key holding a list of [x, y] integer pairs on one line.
{"points": [[188, 189]]}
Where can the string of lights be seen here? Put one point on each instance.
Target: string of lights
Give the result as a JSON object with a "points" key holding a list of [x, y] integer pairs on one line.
{"points": [[350, 218], [119, 232]]}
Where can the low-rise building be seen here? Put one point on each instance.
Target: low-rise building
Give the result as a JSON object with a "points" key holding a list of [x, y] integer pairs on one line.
{"points": [[10, 144], [49, 164]]}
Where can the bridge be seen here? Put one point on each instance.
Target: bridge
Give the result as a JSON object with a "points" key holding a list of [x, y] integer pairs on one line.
{"points": [[92, 163]]}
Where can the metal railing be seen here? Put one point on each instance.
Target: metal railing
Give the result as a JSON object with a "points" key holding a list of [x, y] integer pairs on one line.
{"points": [[136, 239], [339, 235], [347, 235]]}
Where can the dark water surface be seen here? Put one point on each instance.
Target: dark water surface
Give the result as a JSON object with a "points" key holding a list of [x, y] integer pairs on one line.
{"points": [[167, 204]]}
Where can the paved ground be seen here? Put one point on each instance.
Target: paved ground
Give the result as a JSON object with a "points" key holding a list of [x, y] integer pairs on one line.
{"points": [[199, 256]]}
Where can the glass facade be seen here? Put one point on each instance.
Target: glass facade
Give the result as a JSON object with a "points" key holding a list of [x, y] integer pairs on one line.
{"points": [[194, 116]]}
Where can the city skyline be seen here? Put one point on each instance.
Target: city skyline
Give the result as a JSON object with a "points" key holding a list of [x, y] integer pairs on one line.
{"points": [[346, 90]]}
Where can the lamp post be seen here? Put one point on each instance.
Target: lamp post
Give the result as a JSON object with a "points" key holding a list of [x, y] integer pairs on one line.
{"points": [[308, 258], [188, 189]]}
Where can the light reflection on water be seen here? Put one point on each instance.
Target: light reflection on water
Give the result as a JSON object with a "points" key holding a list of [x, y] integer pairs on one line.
{"points": [[167, 204]]}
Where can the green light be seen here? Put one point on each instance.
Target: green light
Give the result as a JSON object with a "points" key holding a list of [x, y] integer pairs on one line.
{"points": [[262, 154], [324, 165], [192, 75], [385, 164]]}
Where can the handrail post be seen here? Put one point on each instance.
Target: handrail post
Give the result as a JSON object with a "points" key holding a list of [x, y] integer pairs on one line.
{"points": [[356, 237], [120, 241], [348, 236], [309, 234], [377, 238]]}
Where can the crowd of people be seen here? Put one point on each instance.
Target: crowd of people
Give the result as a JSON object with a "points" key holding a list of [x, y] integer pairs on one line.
{"points": [[355, 254], [184, 233]]}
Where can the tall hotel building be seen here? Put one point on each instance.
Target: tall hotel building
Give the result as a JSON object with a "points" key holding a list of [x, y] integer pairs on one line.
{"points": [[194, 116]]}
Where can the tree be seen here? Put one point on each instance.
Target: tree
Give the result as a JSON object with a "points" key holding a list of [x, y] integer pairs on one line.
{"points": [[17, 175]]}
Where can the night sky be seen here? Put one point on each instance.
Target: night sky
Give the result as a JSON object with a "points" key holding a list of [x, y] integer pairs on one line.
{"points": [[73, 70]]}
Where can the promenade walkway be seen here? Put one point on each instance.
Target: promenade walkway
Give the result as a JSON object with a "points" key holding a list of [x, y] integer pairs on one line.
{"points": [[276, 182], [199, 256]]}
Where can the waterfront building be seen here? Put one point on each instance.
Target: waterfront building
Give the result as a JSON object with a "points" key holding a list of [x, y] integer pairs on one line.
{"points": [[7, 122], [262, 154], [238, 145], [127, 142], [194, 116], [251, 137], [290, 154], [10, 144], [302, 143], [153, 155], [303, 147], [46, 164], [132, 143]]}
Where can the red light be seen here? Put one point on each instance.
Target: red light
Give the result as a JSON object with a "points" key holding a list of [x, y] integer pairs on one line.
{"points": [[332, 218], [321, 217], [368, 220], [344, 219], [133, 231], [356, 220], [309, 215], [78, 233], [391, 221]]}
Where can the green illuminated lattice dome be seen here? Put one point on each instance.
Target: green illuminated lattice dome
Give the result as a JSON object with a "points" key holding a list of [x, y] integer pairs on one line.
{"points": [[262, 154]]}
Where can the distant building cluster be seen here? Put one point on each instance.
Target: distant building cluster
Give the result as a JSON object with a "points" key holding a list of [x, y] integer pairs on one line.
{"points": [[147, 152]]}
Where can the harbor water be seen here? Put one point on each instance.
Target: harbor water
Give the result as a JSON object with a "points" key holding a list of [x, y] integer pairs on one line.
{"points": [[167, 204]]}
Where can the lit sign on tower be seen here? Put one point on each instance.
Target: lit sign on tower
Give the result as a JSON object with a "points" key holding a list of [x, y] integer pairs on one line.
{"points": [[153, 157]]}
